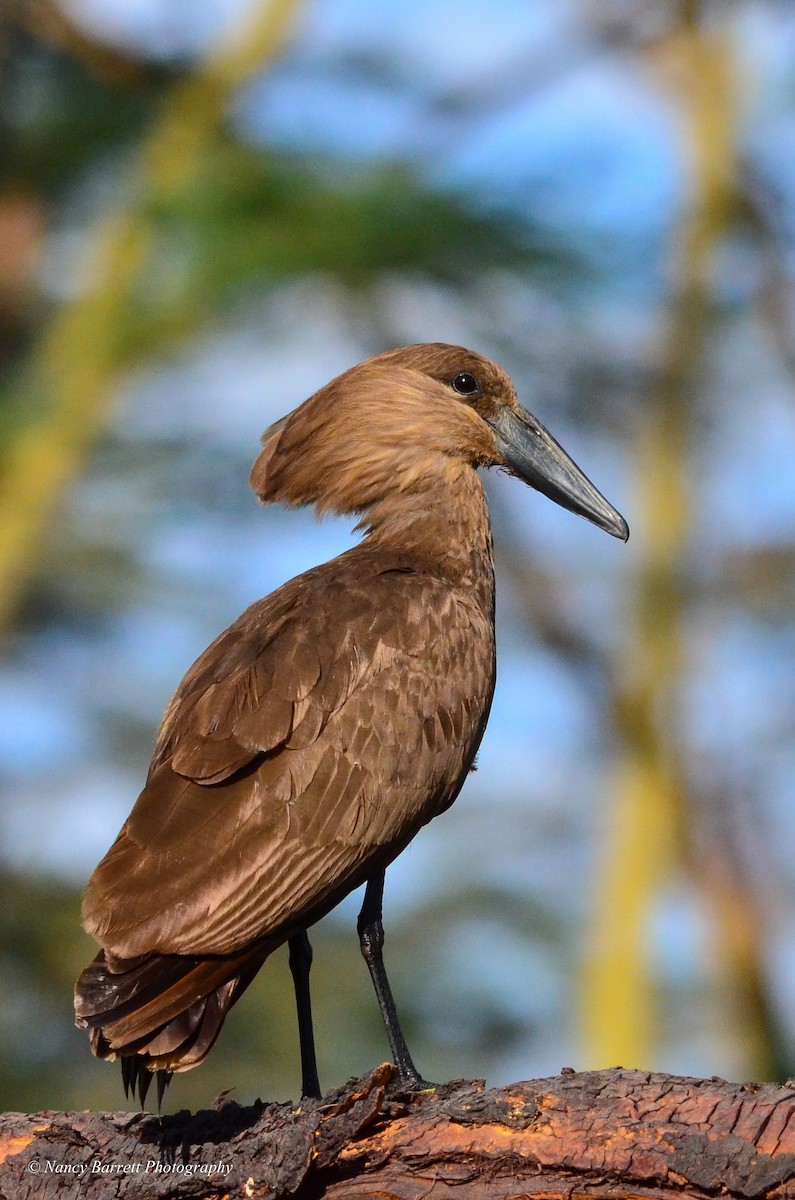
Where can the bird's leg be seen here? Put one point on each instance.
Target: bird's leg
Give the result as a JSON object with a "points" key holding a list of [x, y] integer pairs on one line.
{"points": [[300, 963], [371, 941]]}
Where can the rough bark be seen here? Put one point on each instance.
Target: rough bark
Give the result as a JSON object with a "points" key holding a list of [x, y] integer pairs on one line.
{"points": [[594, 1134]]}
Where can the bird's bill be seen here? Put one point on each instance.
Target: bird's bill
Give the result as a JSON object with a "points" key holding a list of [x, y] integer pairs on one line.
{"points": [[531, 453]]}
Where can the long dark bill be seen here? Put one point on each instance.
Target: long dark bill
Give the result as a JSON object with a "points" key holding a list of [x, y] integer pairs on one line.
{"points": [[532, 454]]}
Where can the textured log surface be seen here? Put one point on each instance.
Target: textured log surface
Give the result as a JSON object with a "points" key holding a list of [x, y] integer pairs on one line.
{"points": [[618, 1134]]}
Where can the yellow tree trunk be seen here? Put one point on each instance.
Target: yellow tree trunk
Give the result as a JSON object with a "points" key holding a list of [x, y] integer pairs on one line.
{"points": [[646, 834]]}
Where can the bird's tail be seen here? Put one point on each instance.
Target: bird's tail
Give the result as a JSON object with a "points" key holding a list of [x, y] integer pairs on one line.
{"points": [[160, 1013]]}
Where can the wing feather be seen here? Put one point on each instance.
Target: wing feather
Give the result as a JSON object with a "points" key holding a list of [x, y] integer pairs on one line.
{"points": [[305, 747]]}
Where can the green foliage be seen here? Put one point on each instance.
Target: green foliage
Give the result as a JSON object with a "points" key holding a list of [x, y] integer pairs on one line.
{"points": [[248, 221], [58, 119]]}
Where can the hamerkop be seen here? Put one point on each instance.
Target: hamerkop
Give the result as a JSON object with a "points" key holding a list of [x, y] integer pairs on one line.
{"points": [[314, 738]]}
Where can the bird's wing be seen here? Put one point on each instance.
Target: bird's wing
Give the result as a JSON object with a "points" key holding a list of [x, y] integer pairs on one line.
{"points": [[304, 748]]}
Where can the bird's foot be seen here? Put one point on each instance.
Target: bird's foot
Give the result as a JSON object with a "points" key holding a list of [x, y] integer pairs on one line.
{"points": [[409, 1083]]}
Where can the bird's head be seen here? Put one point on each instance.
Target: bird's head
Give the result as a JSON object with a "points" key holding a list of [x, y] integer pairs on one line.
{"points": [[403, 420]]}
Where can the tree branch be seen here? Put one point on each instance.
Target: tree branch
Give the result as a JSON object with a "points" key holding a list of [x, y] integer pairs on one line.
{"points": [[619, 1134]]}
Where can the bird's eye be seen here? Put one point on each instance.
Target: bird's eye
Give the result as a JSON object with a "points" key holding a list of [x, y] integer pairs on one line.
{"points": [[465, 384]]}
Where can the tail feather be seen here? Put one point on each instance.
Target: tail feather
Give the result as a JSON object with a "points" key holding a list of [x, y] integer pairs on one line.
{"points": [[123, 987], [162, 1013]]}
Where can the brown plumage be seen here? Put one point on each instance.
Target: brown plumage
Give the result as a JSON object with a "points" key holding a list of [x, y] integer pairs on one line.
{"points": [[313, 739]]}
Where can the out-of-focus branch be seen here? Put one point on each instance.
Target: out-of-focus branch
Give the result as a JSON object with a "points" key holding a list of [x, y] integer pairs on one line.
{"points": [[71, 371], [48, 22], [764, 212]]}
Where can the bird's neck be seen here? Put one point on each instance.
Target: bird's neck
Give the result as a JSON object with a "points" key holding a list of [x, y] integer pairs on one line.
{"points": [[443, 526]]}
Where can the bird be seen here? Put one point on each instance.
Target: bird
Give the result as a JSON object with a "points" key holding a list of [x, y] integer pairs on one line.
{"points": [[315, 737]]}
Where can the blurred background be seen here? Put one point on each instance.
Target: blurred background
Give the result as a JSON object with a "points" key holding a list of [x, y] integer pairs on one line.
{"points": [[208, 208]]}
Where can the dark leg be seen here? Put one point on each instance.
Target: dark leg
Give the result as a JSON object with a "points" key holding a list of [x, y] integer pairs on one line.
{"points": [[371, 941], [300, 962]]}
